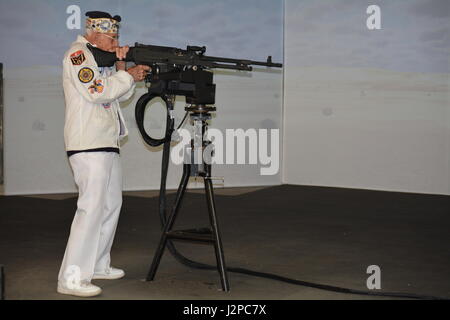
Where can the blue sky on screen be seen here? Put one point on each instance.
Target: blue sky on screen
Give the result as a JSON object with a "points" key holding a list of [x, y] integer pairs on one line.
{"points": [[415, 34], [34, 32]]}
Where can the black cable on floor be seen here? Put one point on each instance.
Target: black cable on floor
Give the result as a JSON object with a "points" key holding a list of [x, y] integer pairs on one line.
{"points": [[333, 288]]}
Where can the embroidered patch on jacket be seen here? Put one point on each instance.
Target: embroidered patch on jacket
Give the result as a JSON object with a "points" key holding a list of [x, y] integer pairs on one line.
{"points": [[77, 57], [97, 86], [85, 75], [106, 105]]}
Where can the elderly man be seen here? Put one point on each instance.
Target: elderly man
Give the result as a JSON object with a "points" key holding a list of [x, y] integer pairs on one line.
{"points": [[93, 128]]}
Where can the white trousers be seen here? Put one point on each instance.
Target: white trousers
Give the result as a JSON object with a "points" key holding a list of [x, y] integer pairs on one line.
{"points": [[98, 176]]}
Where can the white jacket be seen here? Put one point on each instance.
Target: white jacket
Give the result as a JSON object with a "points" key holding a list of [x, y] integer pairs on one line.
{"points": [[93, 117]]}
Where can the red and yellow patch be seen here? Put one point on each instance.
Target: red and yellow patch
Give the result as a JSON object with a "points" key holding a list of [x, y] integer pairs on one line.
{"points": [[97, 86], [86, 75], [77, 57]]}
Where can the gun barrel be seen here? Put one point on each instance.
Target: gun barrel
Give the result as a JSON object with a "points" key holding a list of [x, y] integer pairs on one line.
{"points": [[231, 67], [242, 61], [267, 64]]}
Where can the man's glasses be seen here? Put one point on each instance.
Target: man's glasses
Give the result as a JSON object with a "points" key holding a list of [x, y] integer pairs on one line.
{"points": [[115, 38]]}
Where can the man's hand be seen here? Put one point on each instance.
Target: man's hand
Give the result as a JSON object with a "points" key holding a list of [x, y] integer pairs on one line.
{"points": [[139, 72], [121, 65], [121, 52]]}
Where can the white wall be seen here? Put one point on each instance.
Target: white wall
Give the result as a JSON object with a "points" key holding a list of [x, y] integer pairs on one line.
{"points": [[367, 108]]}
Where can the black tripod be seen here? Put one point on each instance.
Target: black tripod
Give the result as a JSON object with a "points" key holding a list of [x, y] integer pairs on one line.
{"points": [[195, 166]]}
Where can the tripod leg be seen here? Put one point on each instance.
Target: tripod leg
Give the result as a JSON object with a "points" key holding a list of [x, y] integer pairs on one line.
{"points": [[216, 233], [169, 223]]}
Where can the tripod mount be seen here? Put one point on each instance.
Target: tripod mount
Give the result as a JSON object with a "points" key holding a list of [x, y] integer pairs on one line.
{"points": [[195, 166]]}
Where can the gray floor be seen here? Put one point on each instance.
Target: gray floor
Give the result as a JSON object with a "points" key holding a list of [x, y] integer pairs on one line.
{"points": [[317, 234]]}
